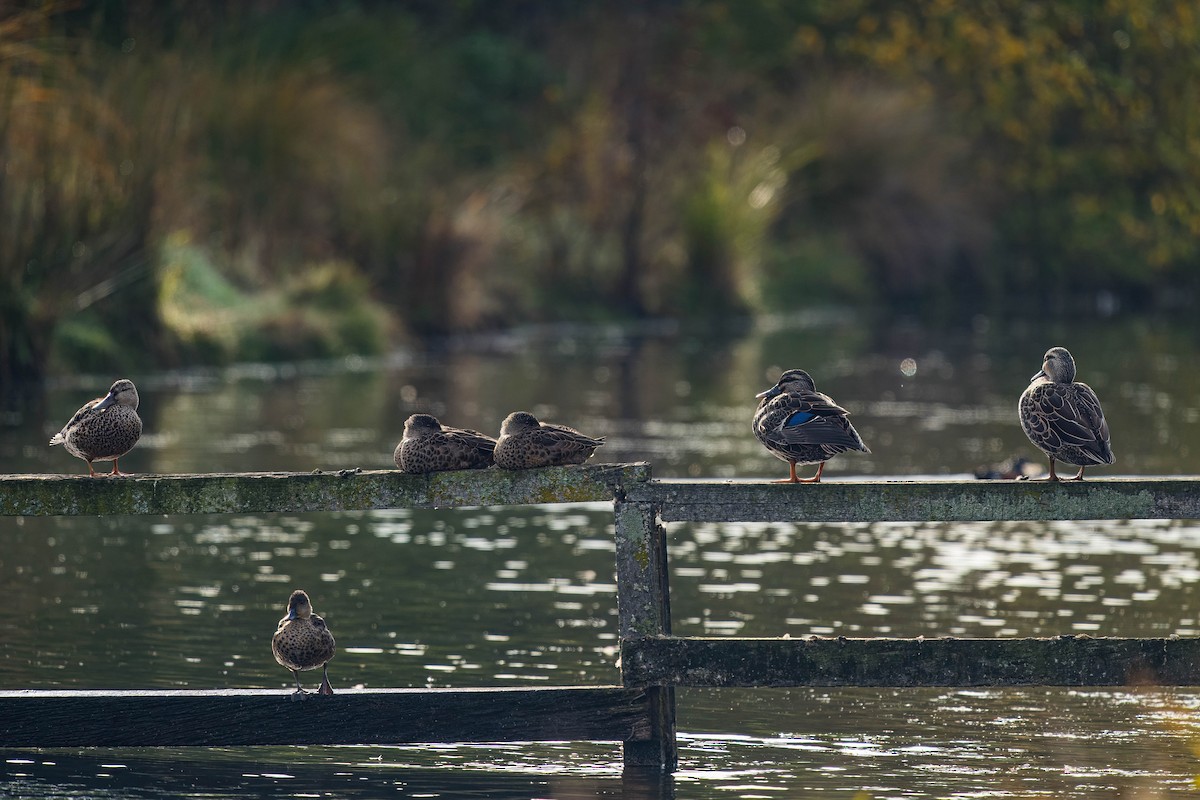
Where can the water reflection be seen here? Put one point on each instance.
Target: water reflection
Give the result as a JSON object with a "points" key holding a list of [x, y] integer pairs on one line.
{"points": [[512, 596], [496, 772], [681, 400], [1116, 578]]}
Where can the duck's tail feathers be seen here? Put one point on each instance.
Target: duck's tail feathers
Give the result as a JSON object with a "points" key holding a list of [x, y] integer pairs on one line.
{"points": [[57, 438]]}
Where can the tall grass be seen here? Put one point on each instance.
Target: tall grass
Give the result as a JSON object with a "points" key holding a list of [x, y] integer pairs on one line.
{"points": [[182, 181]]}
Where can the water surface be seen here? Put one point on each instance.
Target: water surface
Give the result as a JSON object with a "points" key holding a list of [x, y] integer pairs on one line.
{"points": [[525, 595]]}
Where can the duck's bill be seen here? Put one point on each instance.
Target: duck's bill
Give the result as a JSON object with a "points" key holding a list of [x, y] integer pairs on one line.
{"points": [[774, 390]]}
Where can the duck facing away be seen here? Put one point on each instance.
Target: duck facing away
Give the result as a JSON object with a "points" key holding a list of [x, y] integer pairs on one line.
{"points": [[303, 641], [105, 428], [429, 446], [1062, 417], [800, 425], [525, 443]]}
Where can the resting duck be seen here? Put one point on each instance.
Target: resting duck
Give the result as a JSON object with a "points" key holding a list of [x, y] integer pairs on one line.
{"points": [[105, 428], [1063, 418], [802, 426], [525, 443], [429, 446]]}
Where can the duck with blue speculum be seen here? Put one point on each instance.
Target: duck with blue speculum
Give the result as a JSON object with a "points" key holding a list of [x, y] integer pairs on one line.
{"points": [[105, 428], [1063, 418], [303, 641], [800, 425], [429, 446]]}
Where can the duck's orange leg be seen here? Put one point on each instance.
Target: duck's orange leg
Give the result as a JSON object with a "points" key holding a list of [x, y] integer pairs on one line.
{"points": [[1053, 476], [815, 478], [792, 477], [1079, 475]]}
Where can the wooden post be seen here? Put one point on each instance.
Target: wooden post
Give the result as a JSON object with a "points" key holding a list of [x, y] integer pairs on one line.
{"points": [[644, 610]]}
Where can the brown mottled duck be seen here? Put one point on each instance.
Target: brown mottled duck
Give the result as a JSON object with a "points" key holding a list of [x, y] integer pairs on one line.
{"points": [[525, 443], [105, 428], [303, 641], [430, 446], [1063, 418]]}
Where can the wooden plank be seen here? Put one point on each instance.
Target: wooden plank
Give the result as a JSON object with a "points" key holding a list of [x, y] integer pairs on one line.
{"points": [[644, 609], [921, 501], [80, 718], [1059, 661], [346, 490]]}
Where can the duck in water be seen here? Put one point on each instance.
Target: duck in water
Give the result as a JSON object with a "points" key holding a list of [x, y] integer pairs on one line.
{"points": [[105, 428]]}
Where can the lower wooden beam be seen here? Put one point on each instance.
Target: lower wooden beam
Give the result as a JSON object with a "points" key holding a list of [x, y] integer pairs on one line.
{"points": [[33, 718], [1058, 661]]}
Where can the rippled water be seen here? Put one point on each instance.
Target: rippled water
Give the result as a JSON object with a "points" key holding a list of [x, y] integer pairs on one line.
{"points": [[516, 596]]}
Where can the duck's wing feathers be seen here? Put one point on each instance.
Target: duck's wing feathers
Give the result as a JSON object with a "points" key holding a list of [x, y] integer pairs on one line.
{"points": [[471, 439], [812, 418], [1069, 415], [80, 415], [553, 436]]}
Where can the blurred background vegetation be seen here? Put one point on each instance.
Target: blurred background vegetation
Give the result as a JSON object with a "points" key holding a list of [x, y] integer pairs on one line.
{"points": [[185, 182]]}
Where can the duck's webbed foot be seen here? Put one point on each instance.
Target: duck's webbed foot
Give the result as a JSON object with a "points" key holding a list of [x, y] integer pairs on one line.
{"points": [[299, 694], [792, 477], [1053, 476]]}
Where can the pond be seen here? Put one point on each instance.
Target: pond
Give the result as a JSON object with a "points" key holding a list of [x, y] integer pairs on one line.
{"points": [[525, 595]]}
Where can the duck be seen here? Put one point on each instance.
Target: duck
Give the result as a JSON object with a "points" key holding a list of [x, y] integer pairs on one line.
{"points": [[105, 428], [800, 425], [1016, 468], [428, 446], [526, 443], [1063, 418], [303, 641]]}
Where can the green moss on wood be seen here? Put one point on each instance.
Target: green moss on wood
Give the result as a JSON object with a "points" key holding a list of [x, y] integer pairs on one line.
{"points": [[1058, 661], [922, 501], [52, 495]]}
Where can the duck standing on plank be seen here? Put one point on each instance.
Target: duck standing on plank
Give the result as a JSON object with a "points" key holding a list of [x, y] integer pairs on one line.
{"points": [[105, 428], [303, 641], [1062, 417], [800, 425]]}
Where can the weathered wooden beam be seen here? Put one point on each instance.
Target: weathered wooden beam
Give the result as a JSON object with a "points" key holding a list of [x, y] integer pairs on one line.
{"points": [[1060, 661], [291, 492], [921, 501], [34, 718], [644, 609]]}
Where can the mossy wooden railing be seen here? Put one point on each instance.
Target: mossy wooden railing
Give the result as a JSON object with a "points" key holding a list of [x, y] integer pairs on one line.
{"points": [[641, 712]]}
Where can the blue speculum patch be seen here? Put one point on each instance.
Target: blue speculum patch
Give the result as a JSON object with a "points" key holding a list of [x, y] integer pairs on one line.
{"points": [[798, 418]]}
